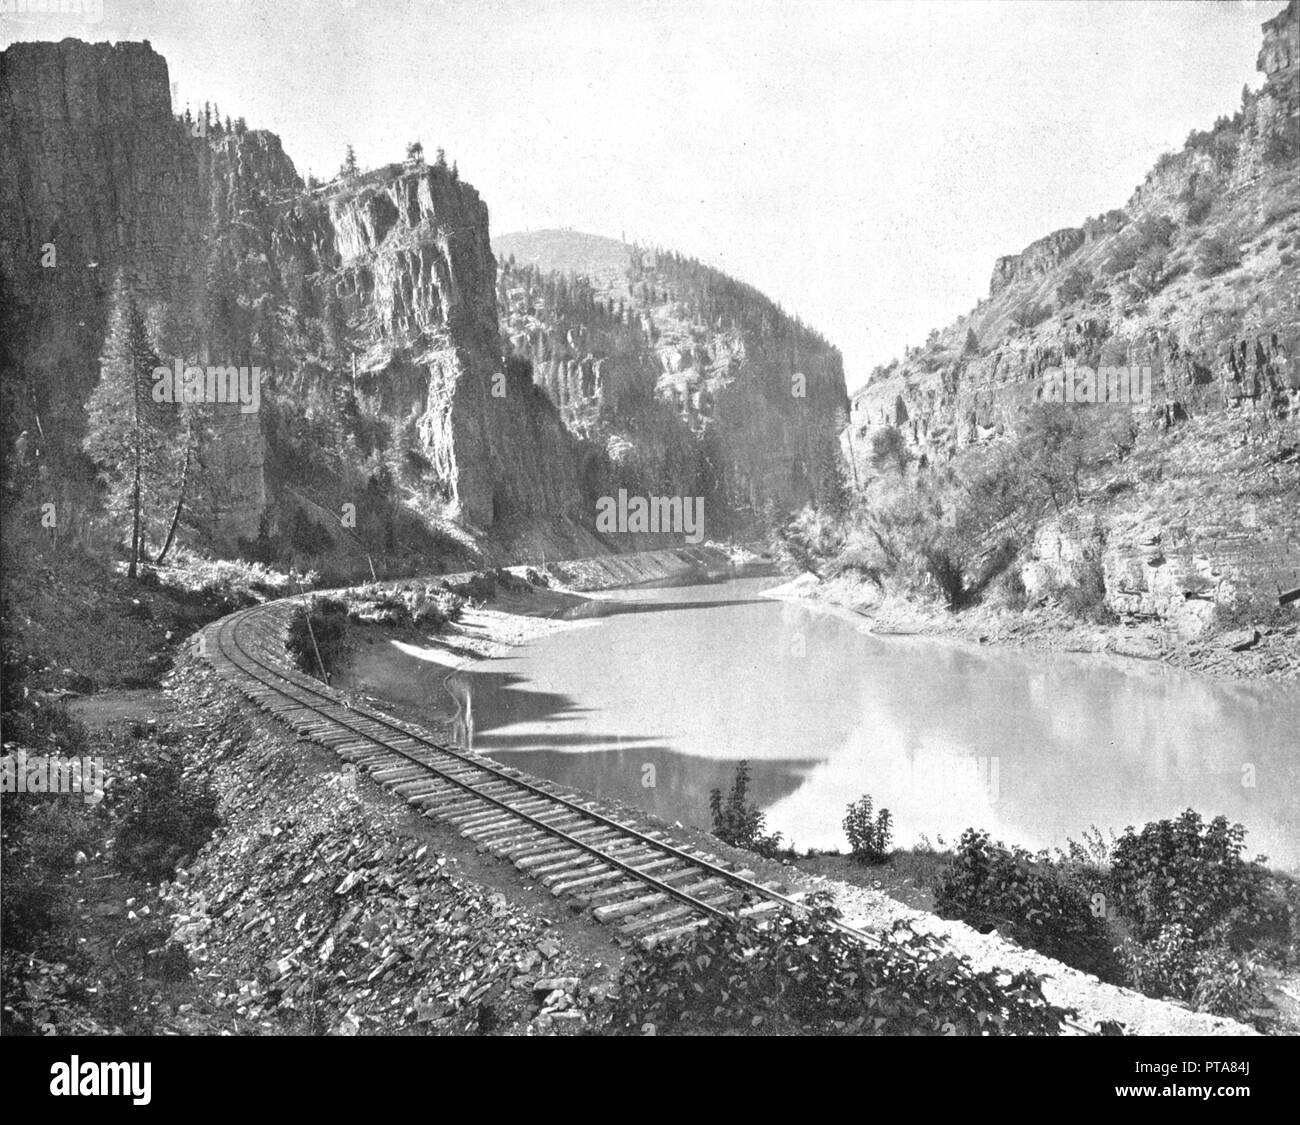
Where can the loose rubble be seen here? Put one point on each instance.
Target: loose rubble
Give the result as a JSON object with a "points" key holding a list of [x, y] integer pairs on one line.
{"points": [[317, 907]]}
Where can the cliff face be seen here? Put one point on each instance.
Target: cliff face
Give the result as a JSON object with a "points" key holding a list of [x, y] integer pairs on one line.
{"points": [[378, 292], [676, 377], [1038, 259], [415, 264], [1195, 278], [1208, 348]]}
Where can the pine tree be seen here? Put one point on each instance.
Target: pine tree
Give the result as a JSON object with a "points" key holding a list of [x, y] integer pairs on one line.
{"points": [[127, 432], [349, 163]]}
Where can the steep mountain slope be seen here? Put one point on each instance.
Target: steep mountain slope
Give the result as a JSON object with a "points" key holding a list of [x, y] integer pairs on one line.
{"points": [[677, 376], [368, 304], [1196, 279]]}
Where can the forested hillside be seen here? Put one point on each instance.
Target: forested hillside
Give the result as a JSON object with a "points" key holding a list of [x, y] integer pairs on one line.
{"points": [[678, 377]]}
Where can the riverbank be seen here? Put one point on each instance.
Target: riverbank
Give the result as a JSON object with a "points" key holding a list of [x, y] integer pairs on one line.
{"points": [[486, 632], [1271, 653]]}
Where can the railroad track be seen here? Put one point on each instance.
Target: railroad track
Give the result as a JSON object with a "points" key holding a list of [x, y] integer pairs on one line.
{"points": [[629, 875]]}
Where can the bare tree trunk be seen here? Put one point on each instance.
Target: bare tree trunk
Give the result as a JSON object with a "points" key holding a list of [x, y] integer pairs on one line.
{"points": [[133, 569], [180, 503]]}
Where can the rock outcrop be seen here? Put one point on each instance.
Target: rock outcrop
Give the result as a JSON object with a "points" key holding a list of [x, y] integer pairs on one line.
{"points": [[1195, 280], [676, 377], [1036, 260], [380, 285]]}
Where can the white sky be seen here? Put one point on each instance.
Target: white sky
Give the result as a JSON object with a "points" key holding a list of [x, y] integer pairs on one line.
{"points": [[861, 162]]}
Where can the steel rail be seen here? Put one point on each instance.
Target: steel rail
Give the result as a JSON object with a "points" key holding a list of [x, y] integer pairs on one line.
{"points": [[749, 886]]}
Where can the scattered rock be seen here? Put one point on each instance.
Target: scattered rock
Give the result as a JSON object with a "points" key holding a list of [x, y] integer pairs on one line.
{"points": [[1239, 640]]}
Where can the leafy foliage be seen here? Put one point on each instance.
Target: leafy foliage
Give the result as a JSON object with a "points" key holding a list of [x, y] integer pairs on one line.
{"points": [[1191, 874], [323, 629], [869, 832], [128, 433], [1031, 314], [1074, 286], [1027, 899], [1216, 254], [888, 449], [737, 822], [1210, 978], [168, 818], [801, 975], [435, 612]]}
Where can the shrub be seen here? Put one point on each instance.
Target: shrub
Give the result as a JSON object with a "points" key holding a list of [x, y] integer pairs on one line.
{"points": [[1074, 286], [738, 823], [1155, 232], [1031, 315], [168, 817], [869, 836], [1028, 899], [1216, 254], [321, 629], [1198, 200], [1282, 148], [1085, 596], [1209, 978], [1279, 205], [436, 612], [41, 839], [889, 449], [1189, 873], [480, 586], [801, 975], [1247, 608], [1149, 270]]}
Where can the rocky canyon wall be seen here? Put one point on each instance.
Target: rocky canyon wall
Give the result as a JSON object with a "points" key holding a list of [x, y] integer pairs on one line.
{"points": [[379, 288], [1197, 278], [676, 377]]}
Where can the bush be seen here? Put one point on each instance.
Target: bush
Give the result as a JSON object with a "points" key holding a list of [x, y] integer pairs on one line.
{"points": [[1149, 271], [480, 586], [801, 975], [434, 613], [1085, 596], [1209, 978], [323, 629], [1217, 254], [738, 823], [1248, 608], [1031, 315], [1191, 874], [42, 836], [1027, 899], [869, 836], [1074, 286], [1198, 201], [1155, 232], [1282, 148], [889, 449], [168, 818]]}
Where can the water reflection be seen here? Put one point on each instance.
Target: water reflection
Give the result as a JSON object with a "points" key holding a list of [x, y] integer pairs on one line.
{"points": [[1035, 748]]}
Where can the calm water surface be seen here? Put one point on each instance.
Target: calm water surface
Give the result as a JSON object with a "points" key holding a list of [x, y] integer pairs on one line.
{"points": [[1035, 748]]}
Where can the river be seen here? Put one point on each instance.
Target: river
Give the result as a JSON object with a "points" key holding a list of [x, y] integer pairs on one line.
{"points": [[655, 695]]}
